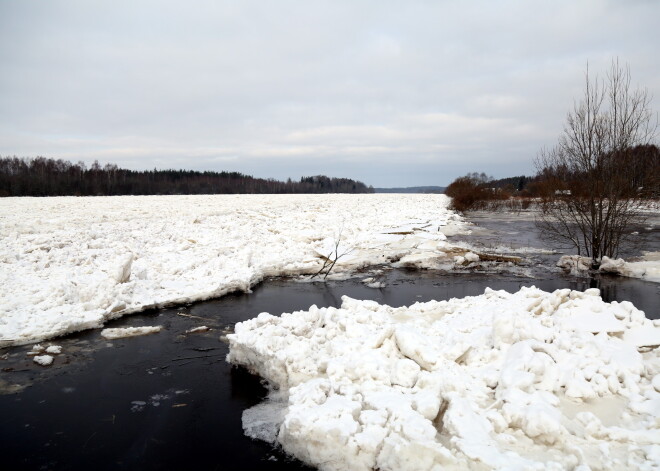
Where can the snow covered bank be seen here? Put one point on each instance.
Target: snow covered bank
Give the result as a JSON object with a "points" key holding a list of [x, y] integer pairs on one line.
{"points": [[530, 380], [68, 264], [648, 268]]}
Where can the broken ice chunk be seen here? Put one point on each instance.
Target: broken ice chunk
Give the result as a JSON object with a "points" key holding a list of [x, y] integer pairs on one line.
{"points": [[54, 349], [201, 328], [471, 257], [43, 360], [119, 333]]}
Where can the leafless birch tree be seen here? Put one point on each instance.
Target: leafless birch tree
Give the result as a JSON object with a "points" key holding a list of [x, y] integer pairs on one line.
{"points": [[594, 197]]}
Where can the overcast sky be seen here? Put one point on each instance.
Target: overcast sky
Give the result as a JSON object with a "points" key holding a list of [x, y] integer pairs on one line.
{"points": [[398, 93]]}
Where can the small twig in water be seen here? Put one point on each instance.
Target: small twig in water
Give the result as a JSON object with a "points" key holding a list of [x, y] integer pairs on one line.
{"points": [[87, 441], [195, 358], [203, 349]]}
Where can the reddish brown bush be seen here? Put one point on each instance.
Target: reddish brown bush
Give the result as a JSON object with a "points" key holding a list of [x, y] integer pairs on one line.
{"points": [[473, 192]]}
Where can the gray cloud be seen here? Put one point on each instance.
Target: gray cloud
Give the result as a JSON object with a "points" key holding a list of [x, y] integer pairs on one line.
{"points": [[392, 93]]}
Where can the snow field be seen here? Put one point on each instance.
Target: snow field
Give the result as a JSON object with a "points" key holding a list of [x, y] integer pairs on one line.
{"points": [[68, 264], [529, 380]]}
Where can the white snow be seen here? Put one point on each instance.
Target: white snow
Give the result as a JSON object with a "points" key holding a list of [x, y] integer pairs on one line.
{"points": [[497, 381], [643, 337], [120, 333], [70, 264]]}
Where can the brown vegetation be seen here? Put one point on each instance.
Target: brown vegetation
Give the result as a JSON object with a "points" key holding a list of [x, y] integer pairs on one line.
{"points": [[473, 192], [636, 171]]}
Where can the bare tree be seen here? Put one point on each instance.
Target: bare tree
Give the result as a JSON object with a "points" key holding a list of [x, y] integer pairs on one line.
{"points": [[594, 198], [330, 260]]}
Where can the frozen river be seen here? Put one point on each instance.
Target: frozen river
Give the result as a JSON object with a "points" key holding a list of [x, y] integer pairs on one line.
{"points": [[170, 401]]}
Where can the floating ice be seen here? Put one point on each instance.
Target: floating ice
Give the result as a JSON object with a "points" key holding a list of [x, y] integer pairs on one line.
{"points": [[647, 267], [201, 328], [372, 282], [497, 381], [43, 360], [574, 264], [120, 333], [138, 406], [75, 263], [37, 349]]}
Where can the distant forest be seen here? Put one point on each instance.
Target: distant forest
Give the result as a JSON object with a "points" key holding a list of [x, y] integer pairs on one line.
{"points": [[48, 177]]}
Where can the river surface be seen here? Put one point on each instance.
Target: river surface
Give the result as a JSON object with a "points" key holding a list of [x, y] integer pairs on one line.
{"points": [[170, 401]]}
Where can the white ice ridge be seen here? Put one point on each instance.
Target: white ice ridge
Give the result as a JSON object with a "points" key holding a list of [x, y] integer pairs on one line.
{"points": [[524, 381], [68, 264]]}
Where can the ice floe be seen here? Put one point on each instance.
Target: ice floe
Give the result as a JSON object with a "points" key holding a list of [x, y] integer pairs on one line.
{"points": [[54, 349], [122, 332], [70, 264], [647, 268], [195, 330], [43, 360], [529, 380]]}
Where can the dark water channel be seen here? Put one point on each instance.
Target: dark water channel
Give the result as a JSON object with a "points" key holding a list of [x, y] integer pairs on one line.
{"points": [[170, 401], [517, 230]]}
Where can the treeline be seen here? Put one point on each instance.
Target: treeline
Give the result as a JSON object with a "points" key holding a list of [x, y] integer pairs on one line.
{"points": [[637, 169], [634, 173], [49, 177], [513, 184], [628, 173]]}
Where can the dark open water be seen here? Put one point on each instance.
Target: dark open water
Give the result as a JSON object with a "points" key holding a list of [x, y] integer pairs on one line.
{"points": [[170, 401]]}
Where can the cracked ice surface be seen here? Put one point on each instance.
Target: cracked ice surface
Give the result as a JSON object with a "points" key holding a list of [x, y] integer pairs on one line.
{"points": [[69, 263], [497, 381]]}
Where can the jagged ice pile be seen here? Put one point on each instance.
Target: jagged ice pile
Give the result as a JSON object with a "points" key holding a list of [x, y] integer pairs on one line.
{"points": [[530, 380], [68, 264]]}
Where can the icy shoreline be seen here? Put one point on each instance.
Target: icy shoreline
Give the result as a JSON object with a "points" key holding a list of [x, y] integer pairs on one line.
{"points": [[70, 264], [647, 267], [529, 380]]}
